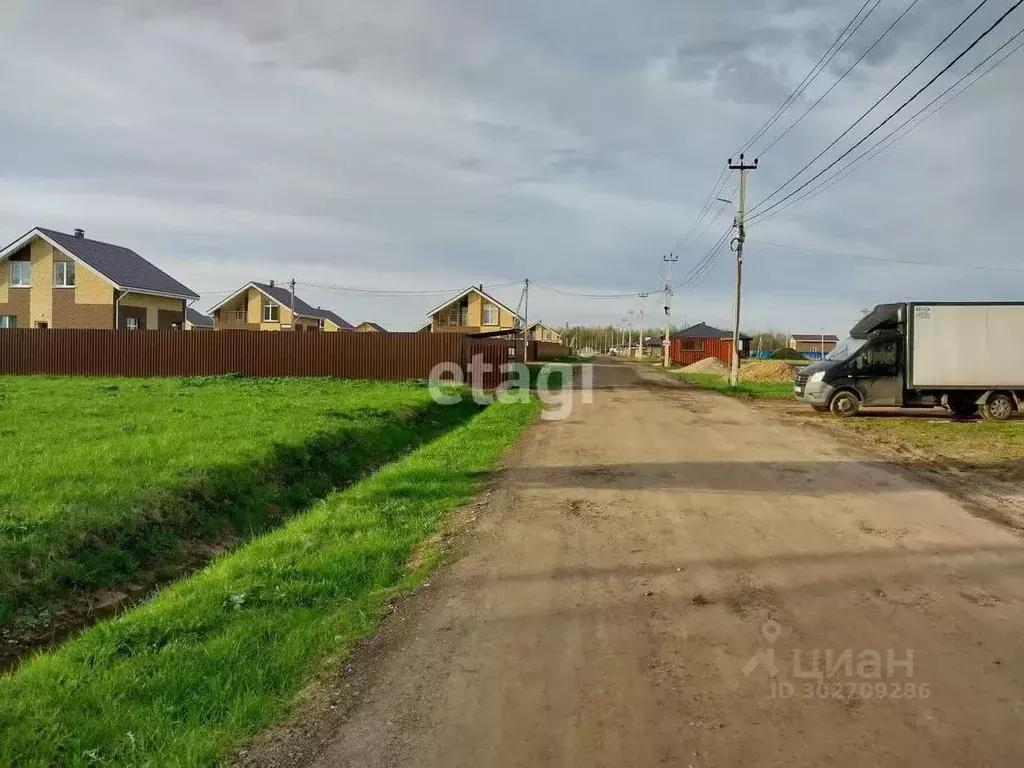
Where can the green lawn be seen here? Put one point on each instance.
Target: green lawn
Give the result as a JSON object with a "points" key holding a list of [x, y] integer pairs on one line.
{"points": [[104, 478], [993, 448], [208, 661], [770, 389], [559, 375]]}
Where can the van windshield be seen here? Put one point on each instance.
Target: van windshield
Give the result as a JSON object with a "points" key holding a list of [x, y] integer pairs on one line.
{"points": [[845, 349]]}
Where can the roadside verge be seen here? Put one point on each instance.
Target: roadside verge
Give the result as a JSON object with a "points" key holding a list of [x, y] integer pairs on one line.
{"points": [[220, 655]]}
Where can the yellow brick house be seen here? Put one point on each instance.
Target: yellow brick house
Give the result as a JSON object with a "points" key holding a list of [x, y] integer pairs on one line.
{"points": [[50, 279], [268, 307], [540, 332], [472, 311]]}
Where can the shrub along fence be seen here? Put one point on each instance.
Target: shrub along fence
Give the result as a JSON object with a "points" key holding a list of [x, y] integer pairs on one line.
{"points": [[381, 356]]}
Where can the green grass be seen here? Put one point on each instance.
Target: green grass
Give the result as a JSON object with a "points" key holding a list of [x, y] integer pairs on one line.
{"points": [[103, 479], [182, 679], [559, 374], [755, 389], [995, 448]]}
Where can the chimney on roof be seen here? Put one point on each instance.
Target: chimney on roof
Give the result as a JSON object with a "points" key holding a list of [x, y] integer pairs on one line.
{"points": [[481, 287], [79, 233], [271, 283]]}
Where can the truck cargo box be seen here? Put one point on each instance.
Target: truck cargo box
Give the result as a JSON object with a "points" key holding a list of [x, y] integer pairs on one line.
{"points": [[967, 346]]}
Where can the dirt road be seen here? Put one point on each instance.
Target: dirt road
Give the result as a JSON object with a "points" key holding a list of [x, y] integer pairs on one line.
{"points": [[668, 578]]}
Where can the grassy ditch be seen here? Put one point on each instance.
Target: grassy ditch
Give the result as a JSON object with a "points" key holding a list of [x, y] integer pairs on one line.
{"points": [[750, 389], [559, 375], [106, 482], [218, 656]]}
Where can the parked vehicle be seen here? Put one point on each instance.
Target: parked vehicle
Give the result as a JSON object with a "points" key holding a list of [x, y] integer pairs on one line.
{"points": [[967, 357]]}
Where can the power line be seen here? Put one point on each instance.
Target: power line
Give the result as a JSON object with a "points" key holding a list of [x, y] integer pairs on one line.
{"points": [[870, 109], [891, 138], [818, 67], [809, 77], [563, 292], [838, 80], [980, 267], [899, 109], [384, 293]]}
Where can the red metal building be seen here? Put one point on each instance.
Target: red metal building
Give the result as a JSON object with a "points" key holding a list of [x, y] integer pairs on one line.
{"points": [[701, 341]]}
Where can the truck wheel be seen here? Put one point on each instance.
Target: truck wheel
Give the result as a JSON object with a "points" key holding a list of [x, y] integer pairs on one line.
{"points": [[844, 404], [963, 408], [999, 407]]}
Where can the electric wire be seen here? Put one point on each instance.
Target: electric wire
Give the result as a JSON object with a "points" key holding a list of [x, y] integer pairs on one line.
{"points": [[840, 79], [891, 138], [756, 206]]}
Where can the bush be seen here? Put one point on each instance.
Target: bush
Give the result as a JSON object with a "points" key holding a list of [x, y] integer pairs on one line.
{"points": [[785, 354]]}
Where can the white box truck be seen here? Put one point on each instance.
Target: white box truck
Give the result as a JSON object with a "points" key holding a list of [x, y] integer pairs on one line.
{"points": [[968, 357]]}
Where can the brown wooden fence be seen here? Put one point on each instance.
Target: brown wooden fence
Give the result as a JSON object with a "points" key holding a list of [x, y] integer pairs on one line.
{"points": [[382, 356], [546, 350]]}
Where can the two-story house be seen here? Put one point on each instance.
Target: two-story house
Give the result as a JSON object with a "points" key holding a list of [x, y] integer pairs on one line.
{"points": [[268, 307], [472, 311], [540, 332], [51, 279]]}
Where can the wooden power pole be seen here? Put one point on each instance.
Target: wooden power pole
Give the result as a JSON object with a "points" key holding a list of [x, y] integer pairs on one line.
{"points": [[734, 373]]}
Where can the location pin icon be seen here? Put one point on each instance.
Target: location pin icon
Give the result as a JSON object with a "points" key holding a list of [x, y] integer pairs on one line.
{"points": [[771, 631]]}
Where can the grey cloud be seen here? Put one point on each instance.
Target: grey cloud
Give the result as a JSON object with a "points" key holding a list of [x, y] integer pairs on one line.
{"points": [[433, 144]]}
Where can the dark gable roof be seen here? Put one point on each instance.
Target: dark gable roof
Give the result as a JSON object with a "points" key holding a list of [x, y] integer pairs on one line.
{"points": [[338, 320], [198, 319], [815, 337], [120, 265], [283, 296], [375, 326], [705, 331]]}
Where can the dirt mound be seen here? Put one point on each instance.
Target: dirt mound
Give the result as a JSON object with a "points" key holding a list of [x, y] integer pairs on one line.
{"points": [[708, 365], [766, 370]]}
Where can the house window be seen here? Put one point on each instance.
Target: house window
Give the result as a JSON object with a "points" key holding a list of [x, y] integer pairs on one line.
{"points": [[131, 323], [21, 273], [64, 274], [490, 314], [453, 316], [238, 316], [693, 345], [8, 321], [270, 312]]}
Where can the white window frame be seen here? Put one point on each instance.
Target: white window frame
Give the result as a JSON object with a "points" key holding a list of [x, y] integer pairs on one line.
{"points": [[487, 307], [275, 311], [27, 278], [238, 316], [60, 274], [131, 323], [8, 322], [453, 316]]}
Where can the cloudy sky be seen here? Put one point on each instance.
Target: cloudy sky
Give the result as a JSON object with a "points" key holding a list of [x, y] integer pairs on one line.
{"points": [[424, 145]]}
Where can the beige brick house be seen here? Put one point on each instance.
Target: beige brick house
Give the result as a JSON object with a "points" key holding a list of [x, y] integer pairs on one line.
{"points": [[540, 332], [268, 307], [51, 279], [472, 311]]}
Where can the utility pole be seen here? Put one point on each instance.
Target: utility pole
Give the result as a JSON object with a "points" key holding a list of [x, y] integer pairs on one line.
{"points": [[526, 320], [734, 373], [629, 346], [668, 262], [640, 346], [291, 284]]}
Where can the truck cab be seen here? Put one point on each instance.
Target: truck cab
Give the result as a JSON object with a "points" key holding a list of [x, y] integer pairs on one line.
{"points": [[922, 356]]}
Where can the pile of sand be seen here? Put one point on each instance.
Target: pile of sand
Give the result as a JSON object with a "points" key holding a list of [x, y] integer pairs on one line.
{"points": [[708, 365], [767, 370]]}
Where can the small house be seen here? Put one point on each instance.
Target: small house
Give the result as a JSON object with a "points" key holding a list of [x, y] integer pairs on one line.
{"points": [[822, 343], [472, 311], [268, 307], [702, 341]]}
